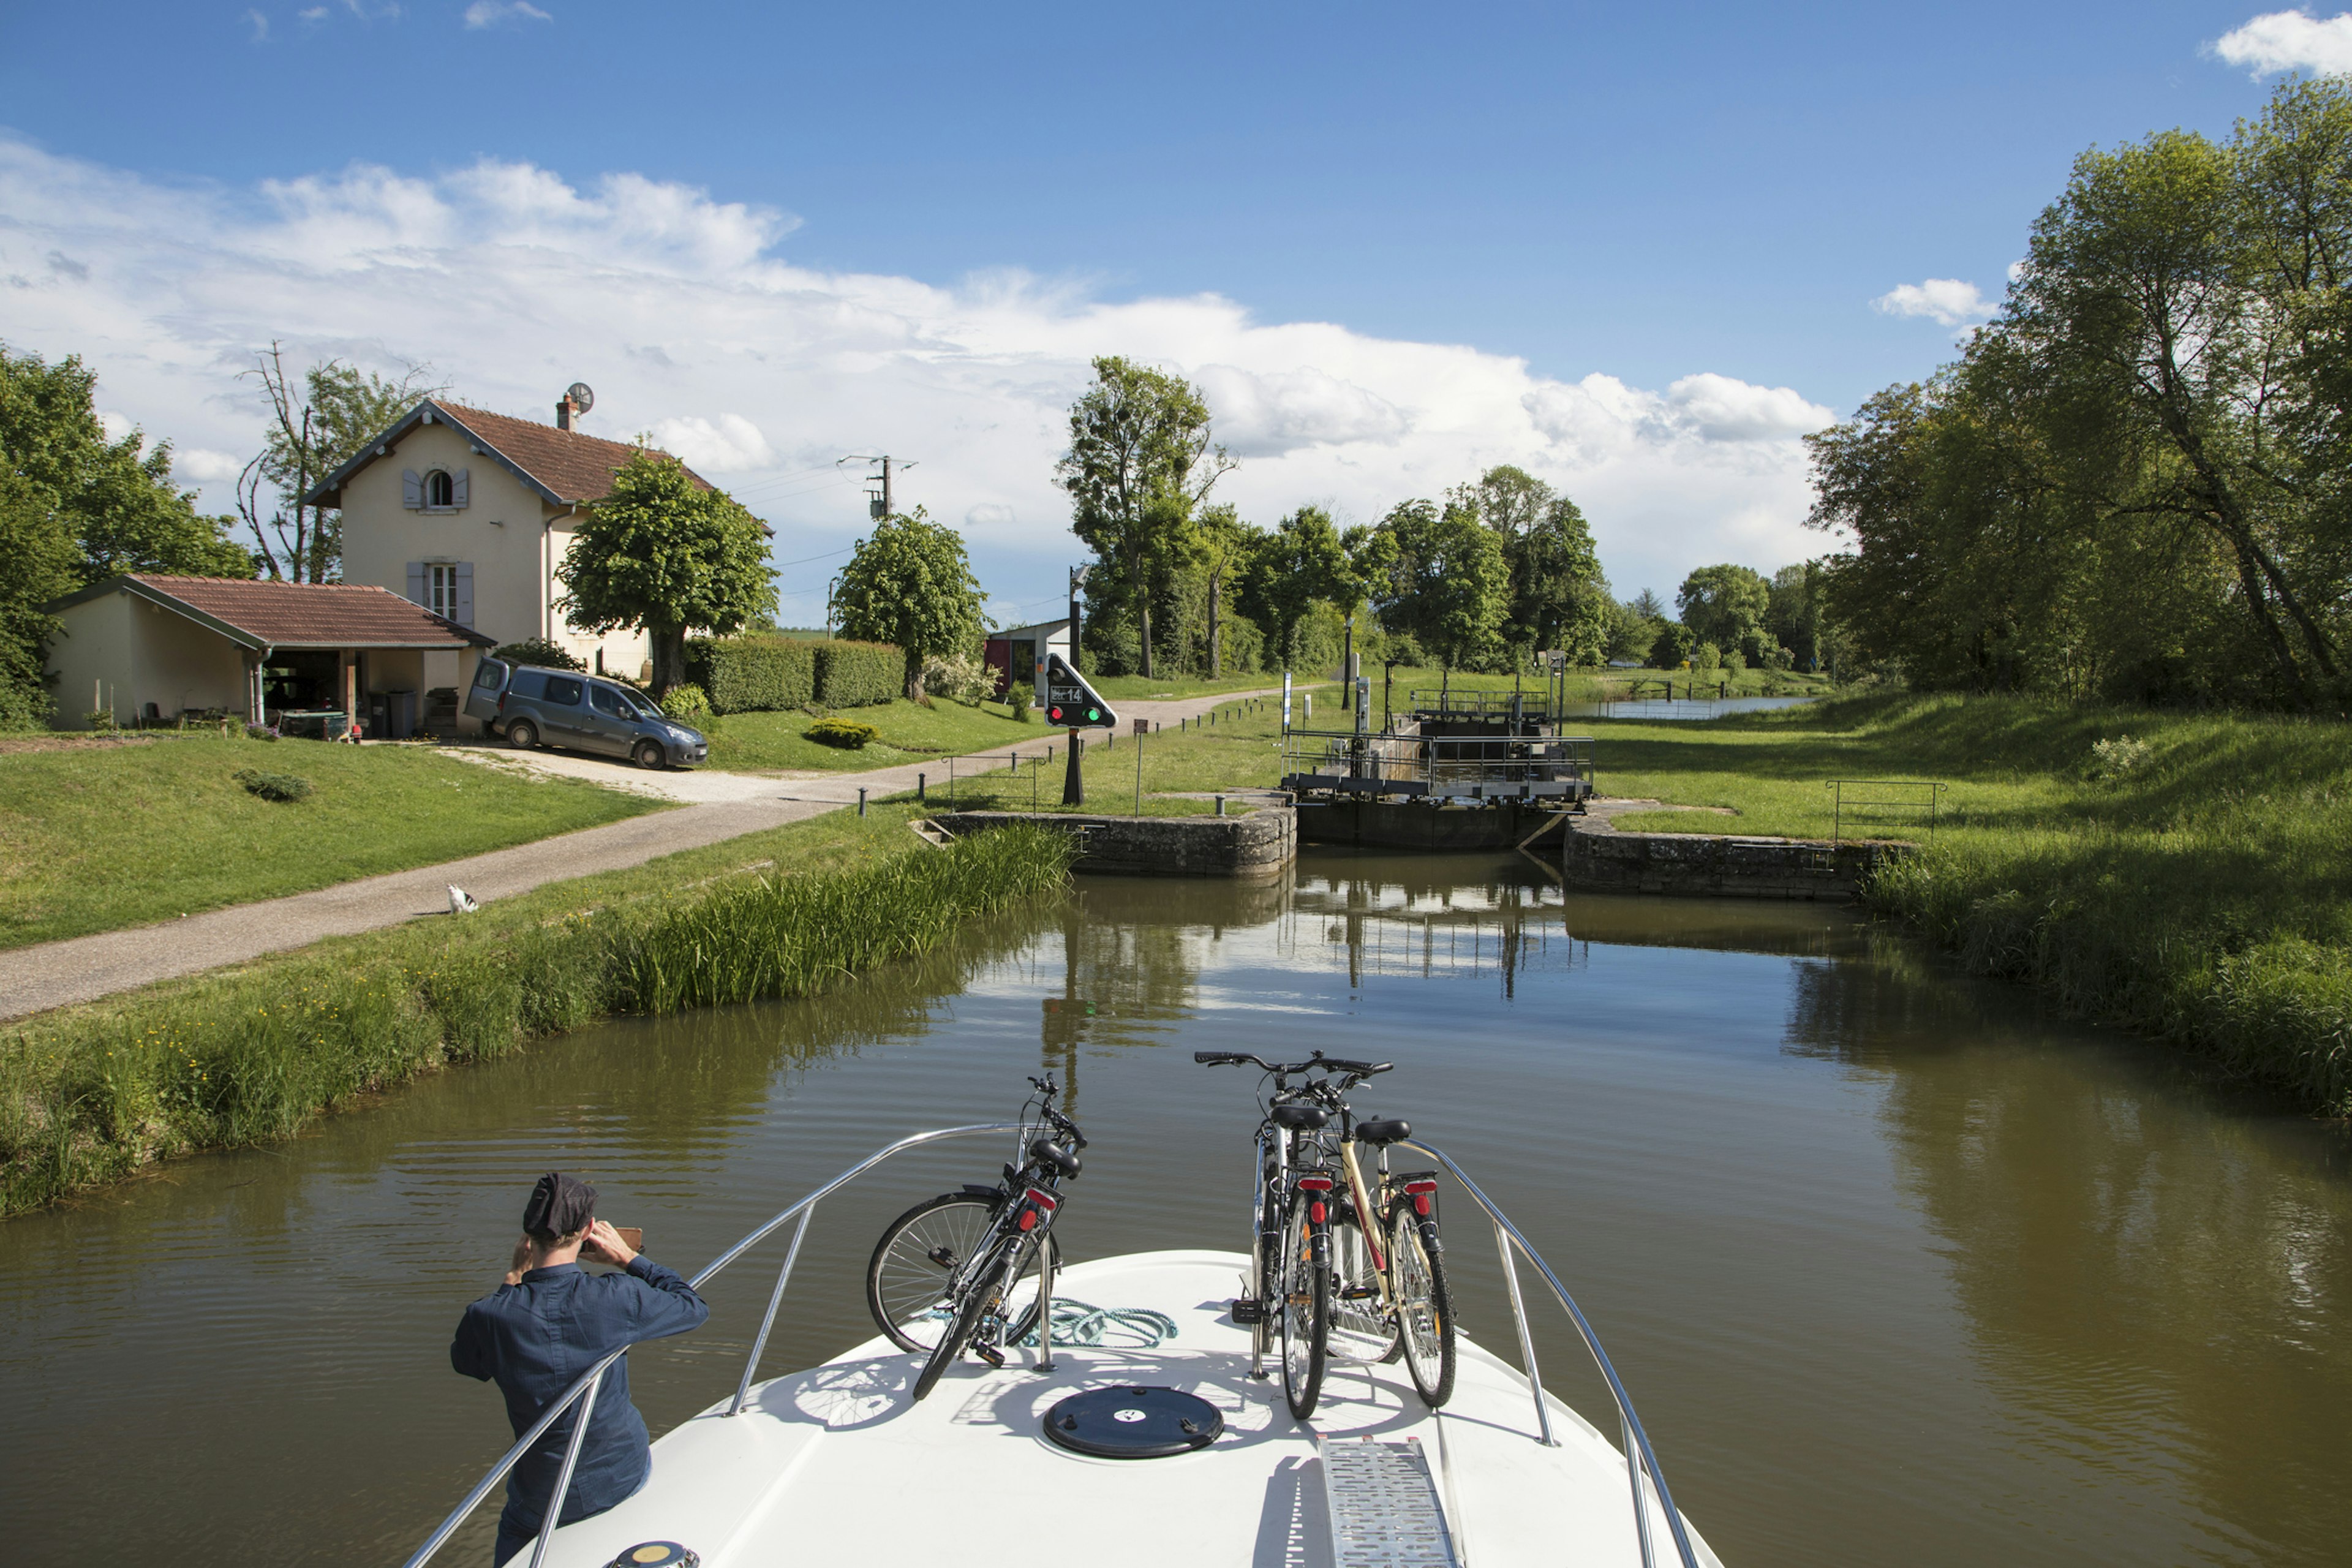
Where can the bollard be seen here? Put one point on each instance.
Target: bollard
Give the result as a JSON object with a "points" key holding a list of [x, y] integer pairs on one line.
{"points": [[920, 798], [861, 800], [1221, 805]]}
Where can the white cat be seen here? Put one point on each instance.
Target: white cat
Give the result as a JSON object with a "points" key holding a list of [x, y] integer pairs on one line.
{"points": [[461, 903]]}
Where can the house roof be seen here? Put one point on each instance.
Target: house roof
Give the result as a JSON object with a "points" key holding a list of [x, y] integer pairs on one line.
{"points": [[260, 614], [1047, 628], [566, 468]]}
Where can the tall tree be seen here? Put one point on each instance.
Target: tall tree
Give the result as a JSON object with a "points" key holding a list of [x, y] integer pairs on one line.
{"points": [[39, 563], [1223, 547], [1725, 606], [665, 552], [1559, 599], [909, 583], [114, 497], [1140, 463], [1300, 563], [1439, 576], [317, 425]]}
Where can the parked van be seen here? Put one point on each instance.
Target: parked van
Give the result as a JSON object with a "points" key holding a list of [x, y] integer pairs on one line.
{"points": [[533, 707]]}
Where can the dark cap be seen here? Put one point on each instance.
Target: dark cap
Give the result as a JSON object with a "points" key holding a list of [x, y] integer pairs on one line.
{"points": [[559, 1205]]}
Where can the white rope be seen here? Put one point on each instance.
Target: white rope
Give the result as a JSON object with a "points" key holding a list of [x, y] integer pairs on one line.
{"points": [[1077, 1324]]}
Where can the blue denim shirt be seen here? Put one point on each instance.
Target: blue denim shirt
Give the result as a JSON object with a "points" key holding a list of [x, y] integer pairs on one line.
{"points": [[537, 1339]]}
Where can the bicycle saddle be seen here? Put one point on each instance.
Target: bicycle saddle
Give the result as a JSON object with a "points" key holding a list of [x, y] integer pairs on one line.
{"points": [[1300, 1117], [1389, 1131]]}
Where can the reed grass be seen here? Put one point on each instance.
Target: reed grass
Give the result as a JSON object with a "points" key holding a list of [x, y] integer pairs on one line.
{"points": [[250, 1057]]}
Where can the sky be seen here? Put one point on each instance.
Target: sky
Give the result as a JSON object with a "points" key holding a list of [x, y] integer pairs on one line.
{"points": [[1637, 250]]}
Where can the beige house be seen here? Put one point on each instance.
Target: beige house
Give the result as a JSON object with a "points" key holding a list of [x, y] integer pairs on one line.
{"points": [[468, 513], [149, 649]]}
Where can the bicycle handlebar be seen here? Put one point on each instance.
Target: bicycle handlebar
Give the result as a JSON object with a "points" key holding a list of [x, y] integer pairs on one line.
{"points": [[1318, 1062]]}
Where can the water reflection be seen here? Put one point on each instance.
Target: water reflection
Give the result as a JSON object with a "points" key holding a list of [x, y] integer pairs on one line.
{"points": [[1899, 1268]]}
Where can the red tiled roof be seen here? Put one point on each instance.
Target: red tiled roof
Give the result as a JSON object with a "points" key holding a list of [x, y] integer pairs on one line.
{"points": [[575, 466], [326, 615]]}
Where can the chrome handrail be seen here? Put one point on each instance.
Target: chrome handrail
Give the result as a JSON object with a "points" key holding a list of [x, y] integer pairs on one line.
{"points": [[1636, 1440], [594, 1375]]}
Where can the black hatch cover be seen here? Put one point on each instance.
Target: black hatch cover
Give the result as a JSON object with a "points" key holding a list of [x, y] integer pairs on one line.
{"points": [[1134, 1423]]}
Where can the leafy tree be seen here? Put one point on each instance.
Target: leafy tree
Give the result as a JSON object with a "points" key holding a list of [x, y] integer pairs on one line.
{"points": [[1793, 617], [1222, 549], [316, 426], [1725, 605], [1440, 576], [1138, 465], [909, 583], [114, 498], [1631, 632], [1672, 647], [1558, 598], [1292, 569], [39, 563], [669, 553]]}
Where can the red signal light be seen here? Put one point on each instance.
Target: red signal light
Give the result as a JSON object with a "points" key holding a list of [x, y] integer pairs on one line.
{"points": [[1055, 713]]}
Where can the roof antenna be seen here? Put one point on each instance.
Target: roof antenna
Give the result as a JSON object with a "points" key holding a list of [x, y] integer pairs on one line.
{"points": [[577, 400]]}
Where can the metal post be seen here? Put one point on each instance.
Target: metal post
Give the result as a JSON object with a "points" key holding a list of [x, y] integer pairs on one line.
{"points": [[775, 1299], [546, 1526], [1138, 765], [861, 800], [921, 796], [1527, 1340], [1641, 1503], [1045, 1306]]}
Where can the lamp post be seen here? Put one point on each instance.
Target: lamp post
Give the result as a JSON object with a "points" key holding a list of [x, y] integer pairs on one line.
{"points": [[1347, 667]]}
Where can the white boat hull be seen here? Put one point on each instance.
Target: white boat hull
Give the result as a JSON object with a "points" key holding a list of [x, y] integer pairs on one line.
{"points": [[837, 1466]]}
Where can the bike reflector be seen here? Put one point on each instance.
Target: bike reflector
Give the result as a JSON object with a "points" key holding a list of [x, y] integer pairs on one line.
{"points": [[1315, 1212], [1315, 1183], [1041, 1205]]}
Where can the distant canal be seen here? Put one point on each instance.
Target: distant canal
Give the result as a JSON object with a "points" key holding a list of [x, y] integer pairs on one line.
{"points": [[1898, 1268]]}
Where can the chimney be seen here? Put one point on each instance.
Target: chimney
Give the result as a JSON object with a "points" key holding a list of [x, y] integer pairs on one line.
{"points": [[563, 413]]}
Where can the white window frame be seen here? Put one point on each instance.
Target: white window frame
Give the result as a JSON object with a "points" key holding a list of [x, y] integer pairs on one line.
{"points": [[441, 588]]}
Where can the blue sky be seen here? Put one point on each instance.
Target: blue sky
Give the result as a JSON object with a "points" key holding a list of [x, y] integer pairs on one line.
{"points": [[1643, 194]]}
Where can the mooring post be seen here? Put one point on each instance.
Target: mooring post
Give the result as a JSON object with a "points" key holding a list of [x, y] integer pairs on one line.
{"points": [[861, 800], [920, 798]]}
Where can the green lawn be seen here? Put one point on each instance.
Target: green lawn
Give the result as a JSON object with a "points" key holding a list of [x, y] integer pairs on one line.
{"points": [[756, 743], [1241, 749], [95, 838], [1165, 688], [1592, 685]]}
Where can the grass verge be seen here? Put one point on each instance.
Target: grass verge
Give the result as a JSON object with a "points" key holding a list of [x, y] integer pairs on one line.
{"points": [[910, 731], [98, 838], [1241, 749], [250, 1055], [2194, 885]]}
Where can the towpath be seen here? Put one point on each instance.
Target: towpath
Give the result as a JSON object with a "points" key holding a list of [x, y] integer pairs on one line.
{"points": [[714, 806]]}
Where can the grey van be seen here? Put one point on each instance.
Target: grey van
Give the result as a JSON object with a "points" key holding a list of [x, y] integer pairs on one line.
{"points": [[534, 707]]}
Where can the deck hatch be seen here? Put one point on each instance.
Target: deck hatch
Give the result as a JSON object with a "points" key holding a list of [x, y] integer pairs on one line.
{"points": [[1130, 1422], [1384, 1507]]}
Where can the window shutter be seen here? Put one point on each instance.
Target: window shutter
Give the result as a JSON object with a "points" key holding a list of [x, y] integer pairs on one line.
{"points": [[417, 581], [462, 595], [457, 486], [412, 492]]}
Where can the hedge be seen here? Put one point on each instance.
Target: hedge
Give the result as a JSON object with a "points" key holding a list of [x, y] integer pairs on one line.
{"points": [[754, 675], [859, 674]]}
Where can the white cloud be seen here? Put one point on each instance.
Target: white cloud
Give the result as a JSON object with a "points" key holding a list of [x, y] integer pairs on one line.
{"points": [[729, 444], [490, 12], [1946, 299], [259, 24], [198, 466], [681, 312], [115, 426], [2289, 40]]}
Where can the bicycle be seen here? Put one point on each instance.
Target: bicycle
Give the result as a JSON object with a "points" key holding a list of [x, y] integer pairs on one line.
{"points": [[969, 1269], [1317, 1260]]}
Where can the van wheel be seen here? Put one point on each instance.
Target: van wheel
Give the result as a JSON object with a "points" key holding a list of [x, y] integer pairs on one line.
{"points": [[649, 755], [522, 734]]}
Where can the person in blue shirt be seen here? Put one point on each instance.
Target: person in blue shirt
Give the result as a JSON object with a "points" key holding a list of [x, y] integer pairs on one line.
{"points": [[541, 1330]]}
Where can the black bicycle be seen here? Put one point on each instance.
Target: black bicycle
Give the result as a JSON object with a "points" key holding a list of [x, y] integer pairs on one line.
{"points": [[965, 1271], [1332, 1260]]}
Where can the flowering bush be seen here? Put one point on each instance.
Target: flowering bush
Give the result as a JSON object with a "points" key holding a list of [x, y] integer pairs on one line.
{"points": [[958, 678]]}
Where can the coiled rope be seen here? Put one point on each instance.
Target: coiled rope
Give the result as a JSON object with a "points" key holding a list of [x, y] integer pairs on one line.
{"points": [[1077, 1324]]}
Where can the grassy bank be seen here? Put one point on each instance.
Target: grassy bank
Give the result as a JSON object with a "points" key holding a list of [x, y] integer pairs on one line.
{"points": [[910, 733], [250, 1055], [2195, 885], [98, 837], [1239, 751]]}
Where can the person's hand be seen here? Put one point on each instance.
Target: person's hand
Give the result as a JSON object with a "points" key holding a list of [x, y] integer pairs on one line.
{"points": [[521, 1262], [602, 1244]]}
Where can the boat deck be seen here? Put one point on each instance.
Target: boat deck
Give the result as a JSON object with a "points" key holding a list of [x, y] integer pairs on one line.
{"points": [[836, 1465]]}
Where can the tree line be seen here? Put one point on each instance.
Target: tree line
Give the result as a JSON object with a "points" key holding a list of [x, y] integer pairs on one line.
{"points": [[2135, 482]]}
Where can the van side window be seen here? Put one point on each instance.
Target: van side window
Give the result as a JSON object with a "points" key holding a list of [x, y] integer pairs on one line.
{"points": [[488, 676], [608, 700], [529, 683], [562, 690]]}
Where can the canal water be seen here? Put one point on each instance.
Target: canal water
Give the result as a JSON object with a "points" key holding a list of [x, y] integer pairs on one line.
{"points": [[1897, 1268]]}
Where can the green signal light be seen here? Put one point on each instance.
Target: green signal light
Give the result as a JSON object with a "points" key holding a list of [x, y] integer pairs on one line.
{"points": [[1094, 715]]}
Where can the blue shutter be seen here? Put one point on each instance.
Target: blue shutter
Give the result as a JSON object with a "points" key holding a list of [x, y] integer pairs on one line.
{"points": [[457, 486], [417, 581], [411, 489], [464, 594]]}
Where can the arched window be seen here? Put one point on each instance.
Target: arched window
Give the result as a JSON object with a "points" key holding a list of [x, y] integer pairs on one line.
{"points": [[440, 489]]}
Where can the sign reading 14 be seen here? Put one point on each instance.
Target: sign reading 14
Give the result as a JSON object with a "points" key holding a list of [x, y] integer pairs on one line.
{"points": [[1070, 703]]}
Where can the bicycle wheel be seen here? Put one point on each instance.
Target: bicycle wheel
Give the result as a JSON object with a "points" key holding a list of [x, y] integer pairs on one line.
{"points": [[1424, 1306], [1362, 1327], [1305, 1306], [959, 1334], [915, 1261]]}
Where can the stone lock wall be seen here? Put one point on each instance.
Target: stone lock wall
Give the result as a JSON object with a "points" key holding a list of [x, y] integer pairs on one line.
{"points": [[1708, 865], [1261, 843]]}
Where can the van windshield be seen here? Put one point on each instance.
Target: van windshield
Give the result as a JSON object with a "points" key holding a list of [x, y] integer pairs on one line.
{"points": [[644, 703]]}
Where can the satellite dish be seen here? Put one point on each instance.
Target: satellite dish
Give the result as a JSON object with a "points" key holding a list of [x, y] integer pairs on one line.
{"points": [[582, 397]]}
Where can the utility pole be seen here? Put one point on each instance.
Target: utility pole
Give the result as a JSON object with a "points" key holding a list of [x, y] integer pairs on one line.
{"points": [[880, 503], [1078, 581]]}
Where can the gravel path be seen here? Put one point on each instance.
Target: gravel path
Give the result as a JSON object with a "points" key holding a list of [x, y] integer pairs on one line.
{"points": [[713, 806]]}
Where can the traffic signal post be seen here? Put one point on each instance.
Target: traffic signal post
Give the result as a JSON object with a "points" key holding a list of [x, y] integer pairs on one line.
{"points": [[1074, 705]]}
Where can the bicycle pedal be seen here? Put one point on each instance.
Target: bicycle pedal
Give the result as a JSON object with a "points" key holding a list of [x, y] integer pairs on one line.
{"points": [[1363, 1293], [990, 1355], [1248, 1312]]}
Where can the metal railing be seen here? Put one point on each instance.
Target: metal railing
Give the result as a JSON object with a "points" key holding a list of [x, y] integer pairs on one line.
{"points": [[1429, 764], [1903, 802], [584, 1393], [1535, 707], [1640, 1458]]}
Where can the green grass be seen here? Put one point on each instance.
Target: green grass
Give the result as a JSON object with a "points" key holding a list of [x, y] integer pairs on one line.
{"points": [[1163, 688], [761, 742], [251, 1054], [1594, 685], [2205, 898], [96, 838], [1241, 749]]}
